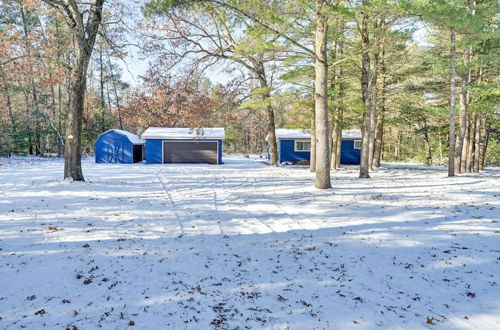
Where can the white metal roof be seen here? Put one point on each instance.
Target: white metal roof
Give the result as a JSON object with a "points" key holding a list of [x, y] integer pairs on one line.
{"points": [[132, 137], [352, 134], [286, 133], [183, 133]]}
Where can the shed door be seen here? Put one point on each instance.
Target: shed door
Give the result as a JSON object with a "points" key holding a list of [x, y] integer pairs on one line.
{"points": [[114, 151], [190, 152]]}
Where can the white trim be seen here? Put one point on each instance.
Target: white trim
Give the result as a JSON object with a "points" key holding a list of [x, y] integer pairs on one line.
{"points": [[301, 140], [359, 146], [163, 147]]}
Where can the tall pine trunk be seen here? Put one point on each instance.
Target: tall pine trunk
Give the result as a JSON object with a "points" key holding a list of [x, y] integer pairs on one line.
{"points": [[379, 132], [453, 96], [477, 146], [364, 168], [321, 98], [373, 101], [470, 145], [339, 101], [463, 151], [484, 148]]}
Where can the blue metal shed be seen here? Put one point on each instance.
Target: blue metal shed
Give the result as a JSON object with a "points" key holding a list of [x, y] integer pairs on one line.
{"points": [[294, 145], [118, 147], [166, 145]]}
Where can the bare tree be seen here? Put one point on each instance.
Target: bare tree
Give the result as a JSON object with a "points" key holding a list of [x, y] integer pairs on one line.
{"points": [[83, 21]]}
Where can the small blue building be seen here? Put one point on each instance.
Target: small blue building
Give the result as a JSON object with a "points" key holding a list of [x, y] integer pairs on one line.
{"points": [[118, 147], [183, 145], [294, 145]]}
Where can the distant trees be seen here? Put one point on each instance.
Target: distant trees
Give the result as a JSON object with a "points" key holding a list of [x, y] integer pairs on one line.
{"points": [[44, 64], [319, 64]]}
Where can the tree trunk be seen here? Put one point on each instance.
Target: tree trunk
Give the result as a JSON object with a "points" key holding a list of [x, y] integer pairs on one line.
{"points": [[312, 161], [463, 151], [339, 109], [428, 149], [453, 95], [321, 99], [364, 168], [397, 148], [373, 107], [73, 146], [461, 143], [335, 144], [470, 145], [101, 89], [266, 98], [117, 99], [477, 139], [486, 139], [8, 100], [84, 34], [273, 146], [334, 115], [379, 133]]}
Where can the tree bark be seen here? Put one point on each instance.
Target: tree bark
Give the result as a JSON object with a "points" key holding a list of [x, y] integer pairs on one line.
{"points": [[321, 98], [259, 70], [428, 149], [273, 146], [373, 106], [84, 34], [453, 77], [484, 148], [463, 151], [397, 148], [477, 147], [339, 102], [470, 145], [461, 143], [333, 116], [312, 161], [117, 99], [379, 133], [364, 168]]}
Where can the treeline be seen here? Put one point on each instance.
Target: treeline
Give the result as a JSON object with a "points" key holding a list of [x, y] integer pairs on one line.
{"points": [[420, 78]]}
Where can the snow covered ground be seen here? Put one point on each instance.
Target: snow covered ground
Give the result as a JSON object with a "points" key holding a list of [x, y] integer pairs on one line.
{"points": [[243, 245]]}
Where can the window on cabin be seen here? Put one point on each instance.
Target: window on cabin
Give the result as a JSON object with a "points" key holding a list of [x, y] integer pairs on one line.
{"points": [[357, 144], [302, 145]]}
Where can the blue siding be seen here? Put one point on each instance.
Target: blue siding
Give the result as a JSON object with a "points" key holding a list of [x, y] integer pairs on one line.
{"points": [[113, 147], [349, 155], [286, 152], [154, 149]]}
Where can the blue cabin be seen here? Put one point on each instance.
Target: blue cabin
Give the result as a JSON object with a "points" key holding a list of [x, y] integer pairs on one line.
{"points": [[294, 145], [166, 145], [118, 147]]}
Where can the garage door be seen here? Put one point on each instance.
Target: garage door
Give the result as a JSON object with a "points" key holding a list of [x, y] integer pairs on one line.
{"points": [[190, 152]]}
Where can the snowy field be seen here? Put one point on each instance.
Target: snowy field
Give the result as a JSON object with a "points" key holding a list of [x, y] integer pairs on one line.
{"points": [[243, 245]]}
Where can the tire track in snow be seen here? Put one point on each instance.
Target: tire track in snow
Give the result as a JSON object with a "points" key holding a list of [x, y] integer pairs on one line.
{"points": [[172, 202], [232, 199], [286, 175]]}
